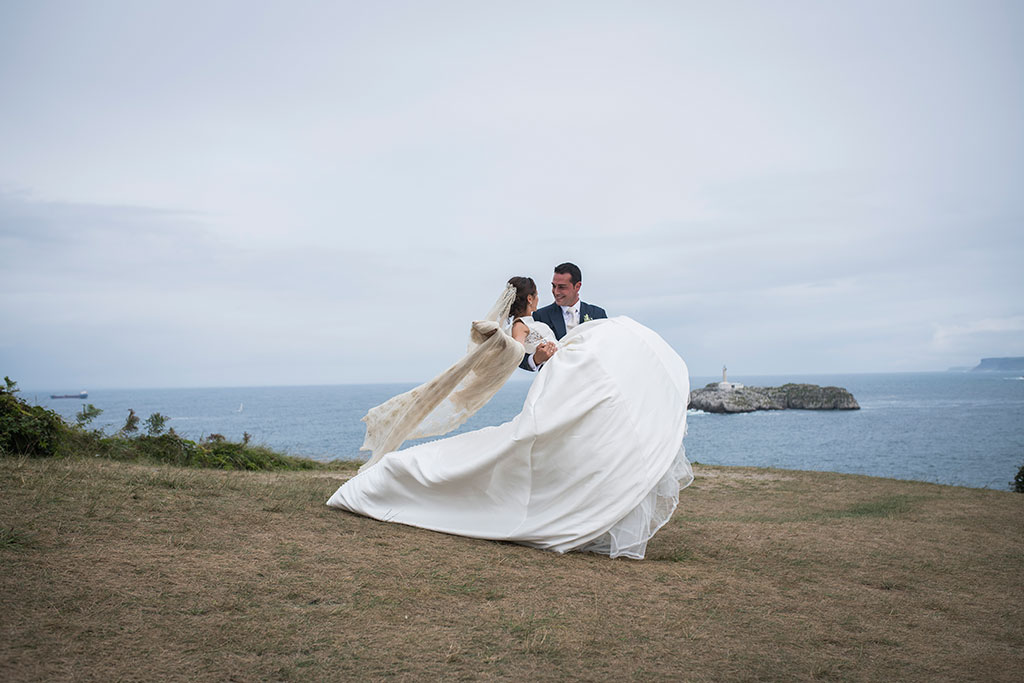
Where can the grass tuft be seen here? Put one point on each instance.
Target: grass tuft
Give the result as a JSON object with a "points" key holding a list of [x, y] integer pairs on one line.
{"points": [[672, 555], [14, 539], [888, 507]]}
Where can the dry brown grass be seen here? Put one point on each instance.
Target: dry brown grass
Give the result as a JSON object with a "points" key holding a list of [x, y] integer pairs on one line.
{"points": [[127, 572]]}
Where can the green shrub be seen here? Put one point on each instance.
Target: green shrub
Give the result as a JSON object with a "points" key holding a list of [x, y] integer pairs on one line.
{"points": [[167, 448], [28, 430], [155, 424], [228, 455], [171, 449], [87, 414], [131, 423], [1018, 481]]}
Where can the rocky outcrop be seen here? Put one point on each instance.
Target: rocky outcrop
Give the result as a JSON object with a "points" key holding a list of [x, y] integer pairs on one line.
{"points": [[715, 398], [1011, 364]]}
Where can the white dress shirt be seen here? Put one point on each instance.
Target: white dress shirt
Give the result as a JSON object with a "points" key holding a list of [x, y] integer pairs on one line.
{"points": [[571, 315]]}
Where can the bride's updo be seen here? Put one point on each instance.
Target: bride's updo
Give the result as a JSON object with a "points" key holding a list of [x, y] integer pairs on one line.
{"points": [[525, 287]]}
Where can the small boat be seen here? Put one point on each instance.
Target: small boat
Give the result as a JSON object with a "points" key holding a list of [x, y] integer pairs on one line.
{"points": [[84, 394]]}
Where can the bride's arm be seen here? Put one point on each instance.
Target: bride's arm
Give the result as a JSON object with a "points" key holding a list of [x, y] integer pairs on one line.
{"points": [[544, 350], [520, 331]]}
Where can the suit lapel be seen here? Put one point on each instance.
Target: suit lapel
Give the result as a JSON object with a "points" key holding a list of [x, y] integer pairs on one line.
{"points": [[558, 321]]}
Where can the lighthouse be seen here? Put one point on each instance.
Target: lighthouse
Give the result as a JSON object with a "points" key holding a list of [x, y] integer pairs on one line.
{"points": [[725, 384]]}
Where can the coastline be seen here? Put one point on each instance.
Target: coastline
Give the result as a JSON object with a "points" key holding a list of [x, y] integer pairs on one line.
{"points": [[124, 570], [945, 427]]}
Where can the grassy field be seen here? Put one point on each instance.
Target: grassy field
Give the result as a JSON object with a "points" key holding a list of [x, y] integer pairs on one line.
{"points": [[121, 571]]}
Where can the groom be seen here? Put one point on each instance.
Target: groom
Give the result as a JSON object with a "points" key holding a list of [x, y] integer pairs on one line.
{"points": [[567, 312]]}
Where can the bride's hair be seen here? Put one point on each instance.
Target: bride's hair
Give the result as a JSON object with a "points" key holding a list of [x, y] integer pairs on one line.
{"points": [[525, 287]]}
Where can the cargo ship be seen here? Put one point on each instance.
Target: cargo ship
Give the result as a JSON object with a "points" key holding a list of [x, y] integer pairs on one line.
{"points": [[84, 394]]}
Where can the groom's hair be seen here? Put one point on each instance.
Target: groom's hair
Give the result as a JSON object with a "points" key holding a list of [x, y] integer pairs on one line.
{"points": [[570, 269]]}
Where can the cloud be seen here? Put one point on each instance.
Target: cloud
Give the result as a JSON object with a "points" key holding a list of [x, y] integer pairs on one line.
{"points": [[1005, 334], [331, 194]]}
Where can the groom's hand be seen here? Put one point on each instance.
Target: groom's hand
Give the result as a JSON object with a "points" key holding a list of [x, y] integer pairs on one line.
{"points": [[544, 352]]}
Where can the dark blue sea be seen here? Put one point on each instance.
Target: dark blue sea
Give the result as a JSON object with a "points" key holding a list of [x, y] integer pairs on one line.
{"points": [[965, 429]]}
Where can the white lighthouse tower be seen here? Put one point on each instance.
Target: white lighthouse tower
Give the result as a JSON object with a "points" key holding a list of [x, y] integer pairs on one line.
{"points": [[725, 384]]}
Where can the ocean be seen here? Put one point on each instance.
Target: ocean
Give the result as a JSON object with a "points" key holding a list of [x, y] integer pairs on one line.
{"points": [[965, 429]]}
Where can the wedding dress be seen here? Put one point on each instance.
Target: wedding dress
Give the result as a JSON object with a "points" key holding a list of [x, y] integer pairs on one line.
{"points": [[594, 462]]}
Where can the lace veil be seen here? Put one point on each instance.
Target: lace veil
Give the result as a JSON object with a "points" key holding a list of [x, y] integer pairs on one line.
{"points": [[451, 398]]}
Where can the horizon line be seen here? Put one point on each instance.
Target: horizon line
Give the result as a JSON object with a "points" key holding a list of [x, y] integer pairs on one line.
{"points": [[512, 380]]}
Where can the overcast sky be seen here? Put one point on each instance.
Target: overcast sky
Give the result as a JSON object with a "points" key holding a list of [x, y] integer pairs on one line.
{"points": [[263, 193]]}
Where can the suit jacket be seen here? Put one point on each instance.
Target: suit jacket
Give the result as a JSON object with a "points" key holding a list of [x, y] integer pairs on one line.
{"points": [[552, 316]]}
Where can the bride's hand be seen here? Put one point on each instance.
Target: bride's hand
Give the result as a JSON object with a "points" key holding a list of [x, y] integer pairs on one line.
{"points": [[544, 352]]}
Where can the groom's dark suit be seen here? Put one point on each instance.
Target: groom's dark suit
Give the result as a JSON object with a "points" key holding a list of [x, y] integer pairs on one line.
{"points": [[552, 316]]}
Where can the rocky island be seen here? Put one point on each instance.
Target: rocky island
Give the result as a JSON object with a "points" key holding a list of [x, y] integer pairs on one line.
{"points": [[727, 397]]}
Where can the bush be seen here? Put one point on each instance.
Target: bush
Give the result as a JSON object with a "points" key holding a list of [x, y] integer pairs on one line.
{"points": [[155, 424], [28, 430], [87, 414], [235, 456], [219, 453], [131, 423], [167, 448], [1018, 481]]}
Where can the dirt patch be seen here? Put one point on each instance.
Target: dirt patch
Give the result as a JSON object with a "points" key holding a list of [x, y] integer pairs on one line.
{"points": [[740, 473]]}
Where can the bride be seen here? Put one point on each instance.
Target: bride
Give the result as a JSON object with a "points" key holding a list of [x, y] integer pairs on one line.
{"points": [[594, 462], [535, 336]]}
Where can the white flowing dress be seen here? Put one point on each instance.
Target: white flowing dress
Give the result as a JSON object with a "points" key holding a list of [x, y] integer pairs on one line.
{"points": [[594, 461]]}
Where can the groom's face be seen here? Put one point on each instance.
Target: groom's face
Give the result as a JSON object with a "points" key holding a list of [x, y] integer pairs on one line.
{"points": [[565, 292]]}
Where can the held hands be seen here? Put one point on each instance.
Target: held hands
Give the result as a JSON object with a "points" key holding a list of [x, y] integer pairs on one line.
{"points": [[544, 352]]}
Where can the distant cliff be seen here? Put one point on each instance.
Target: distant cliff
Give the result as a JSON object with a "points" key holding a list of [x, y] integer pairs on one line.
{"points": [[717, 399], [1013, 364]]}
